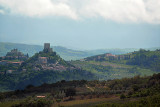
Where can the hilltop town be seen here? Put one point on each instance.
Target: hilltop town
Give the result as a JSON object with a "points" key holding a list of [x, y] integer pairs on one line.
{"points": [[46, 59], [14, 57], [110, 57], [12, 61]]}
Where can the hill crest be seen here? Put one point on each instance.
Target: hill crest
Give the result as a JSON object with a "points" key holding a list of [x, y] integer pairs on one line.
{"points": [[46, 60]]}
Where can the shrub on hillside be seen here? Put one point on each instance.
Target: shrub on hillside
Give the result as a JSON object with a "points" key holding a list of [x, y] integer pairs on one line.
{"points": [[36, 102], [122, 96]]}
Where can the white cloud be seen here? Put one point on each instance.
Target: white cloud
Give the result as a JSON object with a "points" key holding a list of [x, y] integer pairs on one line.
{"points": [[38, 8], [117, 10], [1, 11], [125, 10]]}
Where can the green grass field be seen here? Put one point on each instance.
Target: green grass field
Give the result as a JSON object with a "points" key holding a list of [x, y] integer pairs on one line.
{"points": [[9, 103]]}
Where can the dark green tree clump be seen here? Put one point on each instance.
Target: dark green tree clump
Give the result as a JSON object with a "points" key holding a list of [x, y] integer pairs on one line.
{"points": [[35, 102], [70, 92]]}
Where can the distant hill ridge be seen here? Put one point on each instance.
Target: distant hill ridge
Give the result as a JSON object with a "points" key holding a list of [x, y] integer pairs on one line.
{"points": [[65, 53], [143, 58]]}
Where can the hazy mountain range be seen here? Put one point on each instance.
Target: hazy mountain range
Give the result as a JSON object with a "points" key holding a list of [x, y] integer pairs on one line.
{"points": [[65, 53]]}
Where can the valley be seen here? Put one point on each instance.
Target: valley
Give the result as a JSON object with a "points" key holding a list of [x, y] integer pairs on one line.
{"points": [[46, 79]]}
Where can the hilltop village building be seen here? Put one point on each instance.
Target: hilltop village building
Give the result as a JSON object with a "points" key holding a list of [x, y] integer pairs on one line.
{"points": [[42, 60], [117, 57], [109, 56], [14, 52], [47, 49], [13, 58], [13, 55]]}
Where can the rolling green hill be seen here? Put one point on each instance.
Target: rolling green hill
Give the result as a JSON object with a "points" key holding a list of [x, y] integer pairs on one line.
{"points": [[105, 67], [142, 58], [43, 67]]}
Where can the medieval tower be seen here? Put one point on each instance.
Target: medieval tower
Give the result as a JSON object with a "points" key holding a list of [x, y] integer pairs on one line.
{"points": [[47, 47]]}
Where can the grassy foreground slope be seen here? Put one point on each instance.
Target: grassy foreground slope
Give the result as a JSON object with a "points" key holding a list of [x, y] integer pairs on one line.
{"points": [[131, 92]]}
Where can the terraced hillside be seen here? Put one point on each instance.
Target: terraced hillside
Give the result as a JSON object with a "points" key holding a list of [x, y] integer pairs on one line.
{"points": [[108, 66]]}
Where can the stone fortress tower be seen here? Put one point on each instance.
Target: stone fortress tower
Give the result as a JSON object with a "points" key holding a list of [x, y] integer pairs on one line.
{"points": [[47, 48]]}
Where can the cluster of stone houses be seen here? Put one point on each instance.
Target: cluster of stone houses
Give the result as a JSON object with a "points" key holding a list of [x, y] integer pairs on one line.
{"points": [[14, 57], [15, 54], [55, 67], [42, 60], [5, 62], [109, 56], [117, 57]]}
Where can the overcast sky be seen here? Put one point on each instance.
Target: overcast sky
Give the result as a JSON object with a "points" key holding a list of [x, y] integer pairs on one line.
{"points": [[81, 24]]}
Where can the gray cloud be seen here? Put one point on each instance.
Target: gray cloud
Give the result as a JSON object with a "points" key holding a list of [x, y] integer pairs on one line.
{"points": [[136, 11]]}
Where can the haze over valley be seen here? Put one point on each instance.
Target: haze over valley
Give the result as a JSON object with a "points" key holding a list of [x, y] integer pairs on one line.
{"points": [[79, 53]]}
